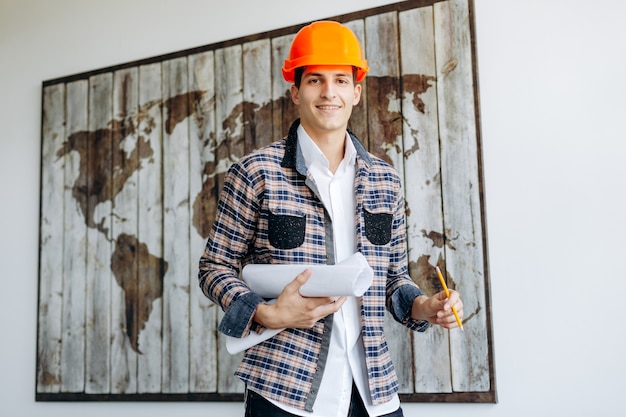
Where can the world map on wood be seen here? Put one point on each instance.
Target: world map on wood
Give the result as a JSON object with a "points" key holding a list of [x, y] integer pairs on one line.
{"points": [[109, 157], [133, 160]]}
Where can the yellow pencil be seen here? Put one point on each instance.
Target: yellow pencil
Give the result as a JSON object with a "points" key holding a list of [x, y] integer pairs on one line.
{"points": [[445, 288]]}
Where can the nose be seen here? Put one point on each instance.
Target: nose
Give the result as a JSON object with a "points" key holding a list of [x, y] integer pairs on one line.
{"points": [[328, 91]]}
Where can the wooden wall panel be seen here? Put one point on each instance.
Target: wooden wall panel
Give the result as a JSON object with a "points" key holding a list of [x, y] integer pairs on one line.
{"points": [[74, 244], [124, 296], [51, 240], [96, 198], [283, 110], [133, 158], [203, 319], [176, 245], [257, 96], [152, 265]]}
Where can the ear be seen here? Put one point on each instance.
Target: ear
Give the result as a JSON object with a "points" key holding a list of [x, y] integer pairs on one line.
{"points": [[295, 94], [357, 94]]}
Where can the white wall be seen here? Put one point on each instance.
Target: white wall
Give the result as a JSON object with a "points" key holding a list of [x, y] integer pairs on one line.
{"points": [[552, 86]]}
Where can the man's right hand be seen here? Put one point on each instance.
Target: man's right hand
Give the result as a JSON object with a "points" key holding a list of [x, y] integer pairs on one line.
{"points": [[291, 310]]}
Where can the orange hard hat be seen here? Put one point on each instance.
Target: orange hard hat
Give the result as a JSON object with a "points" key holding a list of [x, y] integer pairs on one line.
{"points": [[325, 43]]}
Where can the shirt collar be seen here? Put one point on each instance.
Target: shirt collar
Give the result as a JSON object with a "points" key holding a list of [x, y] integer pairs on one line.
{"points": [[293, 153], [312, 153]]}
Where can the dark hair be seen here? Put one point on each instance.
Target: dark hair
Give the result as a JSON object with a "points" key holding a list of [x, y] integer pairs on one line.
{"points": [[297, 76], [298, 72]]}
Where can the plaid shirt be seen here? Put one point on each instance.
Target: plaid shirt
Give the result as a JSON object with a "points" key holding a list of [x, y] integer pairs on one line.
{"points": [[269, 212]]}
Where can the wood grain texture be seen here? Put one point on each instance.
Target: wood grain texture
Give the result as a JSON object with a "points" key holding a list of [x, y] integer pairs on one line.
{"points": [[125, 322], [257, 95], [152, 266], [51, 241], [203, 313], [97, 202], [283, 109], [176, 244]]}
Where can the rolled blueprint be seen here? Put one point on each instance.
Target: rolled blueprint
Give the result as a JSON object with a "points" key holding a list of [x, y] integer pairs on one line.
{"points": [[351, 277]]}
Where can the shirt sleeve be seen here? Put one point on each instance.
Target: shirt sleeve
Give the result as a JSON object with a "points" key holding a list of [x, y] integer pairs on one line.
{"points": [[402, 305], [237, 321], [228, 243]]}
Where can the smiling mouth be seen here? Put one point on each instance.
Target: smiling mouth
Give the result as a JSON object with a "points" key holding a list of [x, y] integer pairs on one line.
{"points": [[328, 107]]}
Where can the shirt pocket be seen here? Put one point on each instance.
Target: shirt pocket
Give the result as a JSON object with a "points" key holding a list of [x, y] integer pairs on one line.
{"points": [[286, 227], [378, 222]]}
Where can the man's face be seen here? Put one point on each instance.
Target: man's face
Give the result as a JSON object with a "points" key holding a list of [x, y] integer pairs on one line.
{"points": [[325, 99]]}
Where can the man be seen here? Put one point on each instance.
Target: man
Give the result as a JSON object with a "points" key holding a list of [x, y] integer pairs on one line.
{"points": [[316, 197]]}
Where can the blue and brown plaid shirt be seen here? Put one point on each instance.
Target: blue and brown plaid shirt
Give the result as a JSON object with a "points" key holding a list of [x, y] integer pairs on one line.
{"points": [[269, 212]]}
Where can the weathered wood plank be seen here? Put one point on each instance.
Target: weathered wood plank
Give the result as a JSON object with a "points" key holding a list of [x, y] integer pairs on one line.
{"points": [[150, 232], [431, 359], [257, 94], [461, 199], [383, 95], [51, 241], [98, 216], [203, 126], [175, 227], [385, 141], [284, 112], [203, 325], [358, 121], [229, 108], [229, 133], [125, 322], [75, 235]]}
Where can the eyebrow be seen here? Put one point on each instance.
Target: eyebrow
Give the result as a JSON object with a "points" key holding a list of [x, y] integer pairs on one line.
{"points": [[319, 74]]}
